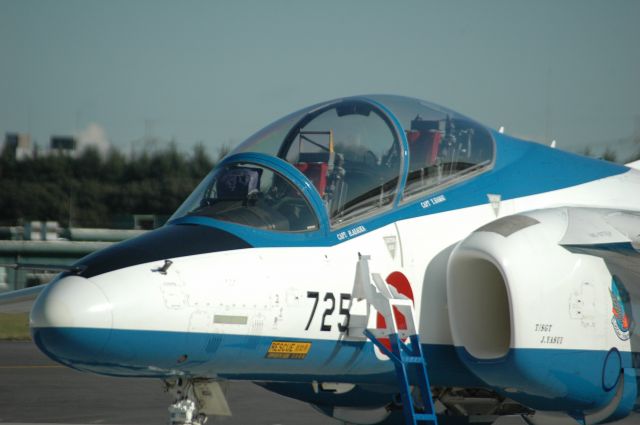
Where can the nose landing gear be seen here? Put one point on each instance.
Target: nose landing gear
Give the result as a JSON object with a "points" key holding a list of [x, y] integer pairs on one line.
{"points": [[185, 412], [194, 400]]}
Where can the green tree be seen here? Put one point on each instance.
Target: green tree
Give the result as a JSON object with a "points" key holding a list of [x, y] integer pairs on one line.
{"points": [[610, 155], [91, 189]]}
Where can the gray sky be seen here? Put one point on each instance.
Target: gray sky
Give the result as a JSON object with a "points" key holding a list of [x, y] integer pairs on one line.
{"points": [[216, 71]]}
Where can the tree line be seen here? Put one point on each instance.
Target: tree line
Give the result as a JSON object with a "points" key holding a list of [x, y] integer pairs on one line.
{"points": [[90, 189]]}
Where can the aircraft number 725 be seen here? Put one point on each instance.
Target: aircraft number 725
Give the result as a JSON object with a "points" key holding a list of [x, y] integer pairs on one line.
{"points": [[329, 301]]}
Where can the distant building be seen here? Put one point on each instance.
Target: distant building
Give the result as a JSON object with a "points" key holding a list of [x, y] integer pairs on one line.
{"points": [[63, 144], [19, 144], [139, 221]]}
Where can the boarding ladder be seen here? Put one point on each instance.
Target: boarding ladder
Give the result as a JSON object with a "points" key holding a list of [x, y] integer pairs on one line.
{"points": [[407, 357]]}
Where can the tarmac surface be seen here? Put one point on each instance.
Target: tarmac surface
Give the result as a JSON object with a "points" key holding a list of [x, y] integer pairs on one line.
{"points": [[36, 390]]}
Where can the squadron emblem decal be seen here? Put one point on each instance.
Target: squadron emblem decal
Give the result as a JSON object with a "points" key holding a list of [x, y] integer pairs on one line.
{"points": [[622, 319]]}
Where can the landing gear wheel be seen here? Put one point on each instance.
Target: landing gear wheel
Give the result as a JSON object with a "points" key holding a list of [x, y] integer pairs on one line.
{"points": [[184, 410]]}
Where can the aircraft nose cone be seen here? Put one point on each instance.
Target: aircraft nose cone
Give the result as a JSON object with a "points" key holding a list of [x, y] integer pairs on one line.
{"points": [[71, 320]]}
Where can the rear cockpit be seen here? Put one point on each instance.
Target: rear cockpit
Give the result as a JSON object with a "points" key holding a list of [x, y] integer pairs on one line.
{"points": [[360, 156], [350, 150]]}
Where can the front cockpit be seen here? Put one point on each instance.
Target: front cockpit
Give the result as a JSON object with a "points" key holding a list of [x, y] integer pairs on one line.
{"points": [[359, 156], [253, 195]]}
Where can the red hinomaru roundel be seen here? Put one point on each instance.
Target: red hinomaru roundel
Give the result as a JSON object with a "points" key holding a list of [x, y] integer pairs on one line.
{"points": [[400, 282]]}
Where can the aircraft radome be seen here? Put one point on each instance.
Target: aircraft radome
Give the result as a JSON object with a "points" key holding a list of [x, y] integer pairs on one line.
{"points": [[509, 267]]}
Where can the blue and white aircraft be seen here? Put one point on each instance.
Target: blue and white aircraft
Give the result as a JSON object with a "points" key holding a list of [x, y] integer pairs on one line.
{"points": [[511, 268]]}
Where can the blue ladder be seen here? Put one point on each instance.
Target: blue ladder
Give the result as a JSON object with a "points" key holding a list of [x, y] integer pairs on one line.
{"points": [[408, 360], [411, 369]]}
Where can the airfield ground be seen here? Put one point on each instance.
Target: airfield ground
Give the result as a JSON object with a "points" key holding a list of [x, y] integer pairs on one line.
{"points": [[14, 327], [35, 390]]}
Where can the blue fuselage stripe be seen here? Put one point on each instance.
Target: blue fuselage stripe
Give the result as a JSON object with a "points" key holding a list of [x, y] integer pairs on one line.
{"points": [[161, 354]]}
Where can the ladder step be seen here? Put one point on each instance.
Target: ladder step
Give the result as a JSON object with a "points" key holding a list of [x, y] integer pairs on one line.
{"points": [[412, 359], [424, 416]]}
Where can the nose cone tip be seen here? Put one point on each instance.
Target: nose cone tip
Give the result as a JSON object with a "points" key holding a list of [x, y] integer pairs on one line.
{"points": [[72, 301], [71, 319]]}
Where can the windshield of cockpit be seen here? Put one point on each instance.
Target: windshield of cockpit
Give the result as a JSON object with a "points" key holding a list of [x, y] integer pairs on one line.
{"points": [[251, 195], [348, 149]]}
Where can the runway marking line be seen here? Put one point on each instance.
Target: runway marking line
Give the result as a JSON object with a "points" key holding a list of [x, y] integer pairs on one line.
{"points": [[32, 367]]}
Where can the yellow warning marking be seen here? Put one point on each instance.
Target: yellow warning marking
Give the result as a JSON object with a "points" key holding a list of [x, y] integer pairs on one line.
{"points": [[288, 350]]}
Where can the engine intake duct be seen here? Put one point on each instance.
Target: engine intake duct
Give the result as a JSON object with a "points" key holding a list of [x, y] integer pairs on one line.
{"points": [[534, 320]]}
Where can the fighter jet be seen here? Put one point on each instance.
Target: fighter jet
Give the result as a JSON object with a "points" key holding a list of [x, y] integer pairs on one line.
{"points": [[386, 260]]}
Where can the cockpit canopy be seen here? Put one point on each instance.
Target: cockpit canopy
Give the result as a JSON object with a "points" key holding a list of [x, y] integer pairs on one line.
{"points": [[362, 155], [252, 195]]}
